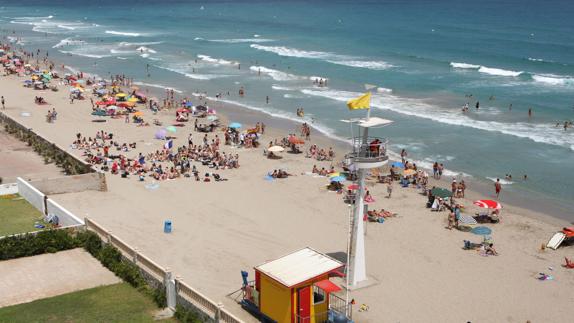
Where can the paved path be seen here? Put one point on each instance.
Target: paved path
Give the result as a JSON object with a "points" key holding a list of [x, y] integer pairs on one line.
{"points": [[19, 159], [26, 279]]}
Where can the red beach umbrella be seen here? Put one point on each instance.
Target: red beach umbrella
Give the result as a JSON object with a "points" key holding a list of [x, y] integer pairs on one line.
{"points": [[488, 204], [296, 141], [353, 187]]}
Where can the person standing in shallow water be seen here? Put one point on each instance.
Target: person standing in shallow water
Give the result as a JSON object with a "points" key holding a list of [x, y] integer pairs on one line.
{"points": [[497, 187]]}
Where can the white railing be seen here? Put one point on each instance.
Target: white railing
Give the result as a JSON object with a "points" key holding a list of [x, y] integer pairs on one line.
{"points": [[197, 299]]}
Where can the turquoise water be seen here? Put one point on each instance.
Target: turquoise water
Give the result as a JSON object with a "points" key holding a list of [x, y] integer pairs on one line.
{"points": [[423, 57]]}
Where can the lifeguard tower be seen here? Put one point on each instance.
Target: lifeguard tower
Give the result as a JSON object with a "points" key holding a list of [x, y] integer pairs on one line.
{"points": [[367, 153], [296, 289]]}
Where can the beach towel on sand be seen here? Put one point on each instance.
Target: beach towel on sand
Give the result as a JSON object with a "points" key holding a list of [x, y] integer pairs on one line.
{"points": [[466, 220]]}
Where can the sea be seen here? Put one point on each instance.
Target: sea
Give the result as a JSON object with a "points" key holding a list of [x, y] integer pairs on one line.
{"points": [[422, 60]]}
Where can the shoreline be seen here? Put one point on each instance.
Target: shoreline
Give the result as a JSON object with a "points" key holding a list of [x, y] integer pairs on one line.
{"points": [[534, 209]]}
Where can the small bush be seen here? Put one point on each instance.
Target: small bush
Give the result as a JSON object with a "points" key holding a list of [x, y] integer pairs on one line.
{"points": [[35, 244], [185, 315], [159, 297]]}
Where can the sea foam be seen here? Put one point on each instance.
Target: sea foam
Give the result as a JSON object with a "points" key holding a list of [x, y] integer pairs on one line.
{"points": [[541, 133], [122, 33], [328, 57]]}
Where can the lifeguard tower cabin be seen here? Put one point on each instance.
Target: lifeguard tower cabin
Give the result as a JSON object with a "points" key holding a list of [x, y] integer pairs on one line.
{"points": [[296, 289]]}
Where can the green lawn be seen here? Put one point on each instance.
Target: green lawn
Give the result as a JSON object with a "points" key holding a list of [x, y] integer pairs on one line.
{"points": [[17, 216], [113, 303]]}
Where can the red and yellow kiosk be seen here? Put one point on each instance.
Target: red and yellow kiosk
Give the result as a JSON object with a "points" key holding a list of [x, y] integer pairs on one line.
{"points": [[295, 288]]}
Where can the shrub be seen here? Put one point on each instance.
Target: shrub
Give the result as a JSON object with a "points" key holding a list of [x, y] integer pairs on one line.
{"points": [[185, 315], [35, 244], [159, 297]]}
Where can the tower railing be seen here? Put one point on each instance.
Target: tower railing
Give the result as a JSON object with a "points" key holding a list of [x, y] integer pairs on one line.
{"points": [[368, 150]]}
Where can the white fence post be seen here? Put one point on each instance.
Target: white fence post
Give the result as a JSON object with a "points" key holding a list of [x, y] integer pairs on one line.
{"points": [[109, 236], [135, 256], [218, 312], [170, 291]]}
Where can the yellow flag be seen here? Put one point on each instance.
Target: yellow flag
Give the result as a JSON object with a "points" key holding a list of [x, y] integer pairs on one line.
{"points": [[362, 102]]}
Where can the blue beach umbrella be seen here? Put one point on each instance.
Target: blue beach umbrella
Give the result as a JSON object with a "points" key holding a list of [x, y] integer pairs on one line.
{"points": [[212, 118], [481, 231], [188, 104], [398, 164], [338, 179], [235, 125]]}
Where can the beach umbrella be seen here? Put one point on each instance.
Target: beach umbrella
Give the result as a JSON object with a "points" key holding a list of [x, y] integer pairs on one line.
{"points": [[101, 91], [441, 192], [28, 81], [409, 172], [488, 204], [138, 114], [126, 104], [212, 118], [398, 165], [481, 231], [353, 187], [296, 140], [133, 99], [335, 174], [276, 149], [160, 134], [112, 107], [171, 129], [337, 179], [235, 125], [180, 110], [188, 104]]}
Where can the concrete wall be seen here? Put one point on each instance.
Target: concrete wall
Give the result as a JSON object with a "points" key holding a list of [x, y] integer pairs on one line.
{"points": [[65, 217], [10, 188], [71, 184], [31, 194]]}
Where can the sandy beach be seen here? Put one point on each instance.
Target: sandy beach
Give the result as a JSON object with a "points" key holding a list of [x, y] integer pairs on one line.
{"points": [[420, 270]]}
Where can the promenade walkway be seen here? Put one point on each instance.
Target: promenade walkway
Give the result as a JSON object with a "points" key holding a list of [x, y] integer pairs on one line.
{"points": [[27, 279]]}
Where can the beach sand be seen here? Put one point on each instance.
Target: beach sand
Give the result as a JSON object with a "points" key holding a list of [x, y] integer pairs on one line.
{"points": [[420, 270]]}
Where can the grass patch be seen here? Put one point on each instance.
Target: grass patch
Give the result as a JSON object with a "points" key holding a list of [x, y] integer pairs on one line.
{"points": [[113, 303], [17, 216]]}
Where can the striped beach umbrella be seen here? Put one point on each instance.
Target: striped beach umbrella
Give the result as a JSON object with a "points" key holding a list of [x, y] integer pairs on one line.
{"points": [[488, 204]]}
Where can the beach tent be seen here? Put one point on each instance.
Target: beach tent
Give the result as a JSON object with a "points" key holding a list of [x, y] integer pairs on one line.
{"points": [[441, 192]]}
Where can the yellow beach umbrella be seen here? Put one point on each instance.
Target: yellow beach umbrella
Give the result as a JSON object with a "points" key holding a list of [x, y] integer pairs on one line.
{"points": [[409, 172], [121, 95], [133, 99], [138, 114], [335, 174]]}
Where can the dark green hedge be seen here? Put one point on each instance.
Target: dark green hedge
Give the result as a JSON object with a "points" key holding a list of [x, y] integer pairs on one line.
{"points": [[49, 241]]}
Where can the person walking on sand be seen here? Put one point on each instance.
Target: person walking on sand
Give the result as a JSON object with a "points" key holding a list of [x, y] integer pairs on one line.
{"points": [[3, 102], [497, 187], [389, 189]]}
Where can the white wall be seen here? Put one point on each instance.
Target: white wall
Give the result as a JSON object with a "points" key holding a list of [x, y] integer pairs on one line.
{"points": [[65, 217], [31, 194], [10, 188]]}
